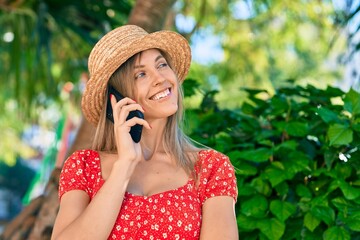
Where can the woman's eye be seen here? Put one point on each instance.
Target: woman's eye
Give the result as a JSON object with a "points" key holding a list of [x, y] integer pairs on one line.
{"points": [[162, 65], [139, 75]]}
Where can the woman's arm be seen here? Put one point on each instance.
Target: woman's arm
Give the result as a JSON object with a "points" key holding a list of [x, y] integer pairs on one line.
{"points": [[79, 219], [219, 221]]}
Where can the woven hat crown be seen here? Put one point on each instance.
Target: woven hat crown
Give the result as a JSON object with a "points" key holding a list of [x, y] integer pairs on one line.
{"points": [[109, 47], [115, 48]]}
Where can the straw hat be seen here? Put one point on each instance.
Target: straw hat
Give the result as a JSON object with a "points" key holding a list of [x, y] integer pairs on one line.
{"points": [[117, 46]]}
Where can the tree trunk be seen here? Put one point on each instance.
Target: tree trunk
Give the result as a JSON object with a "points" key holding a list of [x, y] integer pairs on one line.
{"points": [[151, 15], [36, 220]]}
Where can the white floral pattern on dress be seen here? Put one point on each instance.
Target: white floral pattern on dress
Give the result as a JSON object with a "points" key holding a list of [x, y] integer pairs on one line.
{"points": [[173, 214]]}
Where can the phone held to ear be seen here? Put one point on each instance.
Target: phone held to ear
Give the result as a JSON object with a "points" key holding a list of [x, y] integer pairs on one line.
{"points": [[136, 130]]}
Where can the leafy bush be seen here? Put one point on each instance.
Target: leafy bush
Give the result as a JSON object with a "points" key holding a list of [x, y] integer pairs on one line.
{"points": [[297, 160]]}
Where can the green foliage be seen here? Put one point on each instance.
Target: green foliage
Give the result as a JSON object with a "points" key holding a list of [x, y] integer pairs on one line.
{"points": [[296, 156], [44, 45], [48, 44], [266, 42]]}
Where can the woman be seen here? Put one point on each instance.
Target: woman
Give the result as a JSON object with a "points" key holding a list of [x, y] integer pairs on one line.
{"points": [[163, 187]]}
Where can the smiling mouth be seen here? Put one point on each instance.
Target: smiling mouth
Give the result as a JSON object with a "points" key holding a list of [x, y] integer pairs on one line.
{"points": [[161, 95]]}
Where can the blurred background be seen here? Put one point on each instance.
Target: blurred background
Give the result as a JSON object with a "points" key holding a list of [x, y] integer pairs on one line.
{"points": [[258, 44]]}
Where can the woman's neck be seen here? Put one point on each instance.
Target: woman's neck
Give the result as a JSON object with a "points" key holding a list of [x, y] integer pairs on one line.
{"points": [[152, 141]]}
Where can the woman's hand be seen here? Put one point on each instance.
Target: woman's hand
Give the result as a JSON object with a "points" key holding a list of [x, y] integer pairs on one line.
{"points": [[126, 147]]}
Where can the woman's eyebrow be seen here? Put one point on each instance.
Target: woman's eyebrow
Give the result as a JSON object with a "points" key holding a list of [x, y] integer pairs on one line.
{"points": [[156, 59], [159, 57]]}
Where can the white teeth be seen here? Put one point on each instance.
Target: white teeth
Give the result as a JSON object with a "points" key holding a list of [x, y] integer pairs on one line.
{"points": [[161, 95]]}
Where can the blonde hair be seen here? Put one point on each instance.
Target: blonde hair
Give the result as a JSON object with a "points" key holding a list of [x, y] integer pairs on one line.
{"points": [[176, 142]]}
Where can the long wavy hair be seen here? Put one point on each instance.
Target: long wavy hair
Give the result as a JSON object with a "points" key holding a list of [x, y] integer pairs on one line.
{"points": [[176, 143]]}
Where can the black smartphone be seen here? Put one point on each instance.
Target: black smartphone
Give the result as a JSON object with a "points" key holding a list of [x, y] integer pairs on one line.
{"points": [[136, 130]]}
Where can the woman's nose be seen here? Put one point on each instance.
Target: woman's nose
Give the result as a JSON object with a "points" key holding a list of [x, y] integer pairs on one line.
{"points": [[158, 78]]}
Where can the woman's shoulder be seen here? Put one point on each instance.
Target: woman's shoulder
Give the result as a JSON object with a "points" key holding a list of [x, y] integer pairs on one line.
{"points": [[80, 171], [83, 154], [83, 157], [211, 155], [216, 175], [211, 159]]}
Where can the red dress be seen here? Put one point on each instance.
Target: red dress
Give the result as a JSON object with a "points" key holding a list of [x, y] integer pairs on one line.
{"points": [[173, 214]]}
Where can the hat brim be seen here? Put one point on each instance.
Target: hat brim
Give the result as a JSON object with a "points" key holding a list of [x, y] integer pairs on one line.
{"points": [[169, 42]]}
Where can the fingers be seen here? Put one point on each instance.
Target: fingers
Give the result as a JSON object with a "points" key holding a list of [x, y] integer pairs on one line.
{"points": [[123, 102], [122, 109], [133, 121]]}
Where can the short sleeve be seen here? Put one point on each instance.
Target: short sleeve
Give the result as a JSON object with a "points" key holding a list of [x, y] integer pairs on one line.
{"points": [[217, 176], [72, 176]]}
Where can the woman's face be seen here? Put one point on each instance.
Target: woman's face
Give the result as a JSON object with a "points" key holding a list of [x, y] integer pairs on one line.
{"points": [[156, 85]]}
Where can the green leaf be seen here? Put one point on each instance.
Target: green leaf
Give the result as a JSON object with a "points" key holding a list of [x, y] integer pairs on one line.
{"points": [[279, 104], [291, 144], [276, 173], [293, 226], [246, 190], [282, 189], [324, 213], [353, 221], [356, 183], [338, 233], [261, 186], [347, 208], [297, 162], [330, 157], [311, 222], [190, 87], [282, 210], [352, 102], [340, 203], [303, 191], [256, 155], [234, 156], [356, 127], [327, 115], [340, 135], [246, 223], [272, 228], [255, 206], [279, 125], [332, 186], [297, 129], [343, 170], [349, 192], [245, 169], [354, 225]]}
